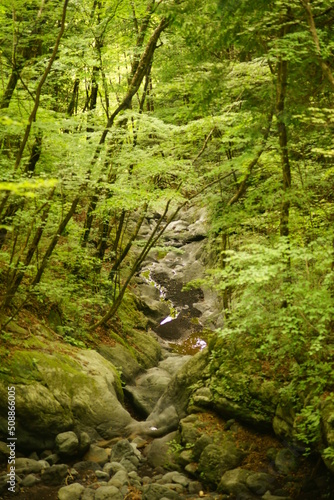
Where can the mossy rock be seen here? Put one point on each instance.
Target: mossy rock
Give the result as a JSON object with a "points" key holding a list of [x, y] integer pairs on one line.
{"points": [[58, 392]]}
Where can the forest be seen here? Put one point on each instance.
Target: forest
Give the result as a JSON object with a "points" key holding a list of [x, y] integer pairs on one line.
{"points": [[118, 112]]}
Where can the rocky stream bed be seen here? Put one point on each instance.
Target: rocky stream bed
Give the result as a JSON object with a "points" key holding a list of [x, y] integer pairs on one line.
{"points": [[84, 437]]}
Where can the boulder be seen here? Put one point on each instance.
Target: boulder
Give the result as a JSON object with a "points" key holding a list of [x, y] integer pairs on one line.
{"points": [[160, 453], [260, 482], [57, 392], [124, 360], [234, 482], [148, 389], [215, 460], [286, 461]]}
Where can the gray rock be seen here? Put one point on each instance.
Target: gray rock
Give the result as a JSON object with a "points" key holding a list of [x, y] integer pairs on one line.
{"points": [[216, 460], [71, 492], [96, 454], [30, 480], [123, 360], [259, 482], [67, 443], [148, 389], [55, 474], [159, 491], [107, 493], [175, 477], [286, 462], [160, 453], [121, 450], [173, 364]]}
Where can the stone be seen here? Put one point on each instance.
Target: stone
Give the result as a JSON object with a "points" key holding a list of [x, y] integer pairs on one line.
{"points": [[128, 464], [52, 459], [259, 482], [71, 492], [234, 482], [108, 492], [195, 487], [215, 460], [67, 443], [269, 496], [113, 467], [192, 469], [199, 446], [121, 450], [175, 477], [30, 480], [148, 389], [54, 475], [159, 491], [286, 462], [34, 456], [27, 465], [57, 391], [88, 494], [84, 442], [123, 360], [86, 465], [120, 476], [104, 476], [185, 458], [160, 452], [96, 454]]}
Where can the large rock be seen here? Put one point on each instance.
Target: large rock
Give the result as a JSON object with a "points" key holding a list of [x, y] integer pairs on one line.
{"points": [[160, 452], [234, 482], [124, 360], [215, 460], [148, 389], [56, 392]]}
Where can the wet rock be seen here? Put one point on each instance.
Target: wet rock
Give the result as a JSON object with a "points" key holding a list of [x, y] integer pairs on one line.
{"points": [[159, 491], [215, 460], [286, 462], [97, 454], [108, 492], [55, 474], [67, 443], [71, 492]]}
